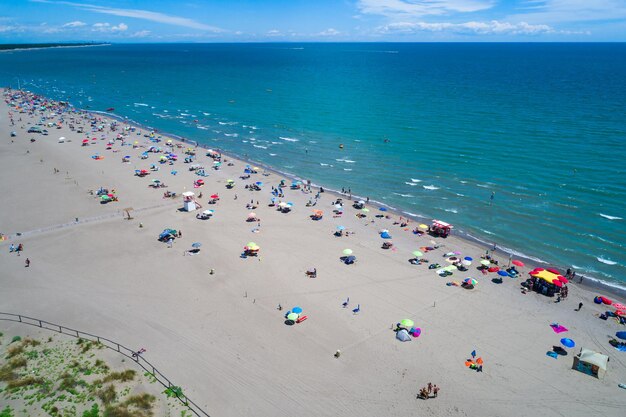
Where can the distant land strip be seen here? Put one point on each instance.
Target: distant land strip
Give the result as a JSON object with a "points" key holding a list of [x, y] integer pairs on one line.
{"points": [[18, 46]]}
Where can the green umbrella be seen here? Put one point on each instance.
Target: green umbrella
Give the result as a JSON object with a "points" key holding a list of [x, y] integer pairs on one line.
{"points": [[407, 323], [292, 316], [347, 252], [105, 198], [365, 210], [417, 254], [485, 262]]}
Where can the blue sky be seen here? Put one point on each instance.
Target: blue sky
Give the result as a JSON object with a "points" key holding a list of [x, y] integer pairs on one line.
{"points": [[312, 20]]}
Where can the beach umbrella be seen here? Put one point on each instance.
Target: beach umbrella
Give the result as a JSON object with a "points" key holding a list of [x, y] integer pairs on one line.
{"points": [[156, 181], [554, 271], [493, 269], [485, 262], [340, 228], [292, 316], [230, 181], [467, 258], [85, 140], [407, 323], [568, 342], [557, 282], [383, 209], [470, 281], [503, 273], [196, 245], [296, 310], [214, 195], [562, 279], [417, 254], [466, 262], [251, 215], [259, 183], [351, 258], [251, 244], [621, 335], [365, 210], [423, 226], [517, 263], [347, 252]]}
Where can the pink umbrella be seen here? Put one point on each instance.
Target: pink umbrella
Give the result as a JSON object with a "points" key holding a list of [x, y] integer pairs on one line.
{"points": [[517, 263]]}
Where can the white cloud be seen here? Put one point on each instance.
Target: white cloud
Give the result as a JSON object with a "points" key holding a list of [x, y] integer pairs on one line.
{"points": [[417, 8], [140, 34], [329, 32], [106, 27], [138, 14], [492, 27], [74, 24], [571, 10], [273, 32]]}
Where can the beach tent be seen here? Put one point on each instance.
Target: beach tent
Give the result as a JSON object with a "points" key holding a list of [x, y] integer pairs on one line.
{"points": [[403, 336], [591, 363]]}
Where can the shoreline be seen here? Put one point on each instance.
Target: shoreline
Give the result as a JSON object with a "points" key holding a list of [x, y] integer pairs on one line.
{"points": [[221, 313], [38, 48], [590, 282]]}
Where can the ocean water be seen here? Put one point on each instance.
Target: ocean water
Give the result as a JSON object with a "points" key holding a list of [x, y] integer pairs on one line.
{"points": [[429, 129]]}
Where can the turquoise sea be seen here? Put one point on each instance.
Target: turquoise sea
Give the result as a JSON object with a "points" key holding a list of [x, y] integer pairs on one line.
{"points": [[543, 126]]}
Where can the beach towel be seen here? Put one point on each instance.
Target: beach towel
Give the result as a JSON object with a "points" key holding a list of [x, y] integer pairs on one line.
{"points": [[552, 354], [558, 328]]}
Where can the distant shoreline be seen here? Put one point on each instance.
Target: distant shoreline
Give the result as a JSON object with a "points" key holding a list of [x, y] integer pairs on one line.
{"points": [[36, 46]]}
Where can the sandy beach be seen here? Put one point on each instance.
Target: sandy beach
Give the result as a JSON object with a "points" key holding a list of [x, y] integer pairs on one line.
{"points": [[221, 334]]}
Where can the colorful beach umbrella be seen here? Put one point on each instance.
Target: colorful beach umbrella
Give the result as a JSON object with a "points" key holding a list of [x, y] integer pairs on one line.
{"points": [[493, 269], [470, 281], [196, 245], [568, 342], [296, 310], [417, 254], [347, 252], [292, 316], [468, 258], [485, 262], [517, 263], [562, 279], [340, 228], [423, 226], [621, 335], [365, 210], [407, 323], [466, 262], [503, 273], [383, 209]]}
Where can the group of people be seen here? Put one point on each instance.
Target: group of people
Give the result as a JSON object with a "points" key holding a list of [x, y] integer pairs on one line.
{"points": [[425, 392]]}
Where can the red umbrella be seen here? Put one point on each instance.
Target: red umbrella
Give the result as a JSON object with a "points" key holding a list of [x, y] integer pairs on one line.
{"points": [[557, 283], [494, 269], [517, 263], [554, 271], [85, 140], [538, 269], [562, 279], [215, 196]]}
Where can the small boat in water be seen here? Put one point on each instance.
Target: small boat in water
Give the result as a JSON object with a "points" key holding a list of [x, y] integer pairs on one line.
{"points": [[111, 109]]}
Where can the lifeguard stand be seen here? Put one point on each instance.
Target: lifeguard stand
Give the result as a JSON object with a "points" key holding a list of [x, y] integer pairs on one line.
{"points": [[189, 201]]}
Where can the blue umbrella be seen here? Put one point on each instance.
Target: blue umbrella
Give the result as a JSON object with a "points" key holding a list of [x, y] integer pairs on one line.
{"points": [[503, 273], [468, 258], [382, 209], [568, 342], [296, 310], [196, 245], [621, 335], [259, 183], [340, 228], [127, 156]]}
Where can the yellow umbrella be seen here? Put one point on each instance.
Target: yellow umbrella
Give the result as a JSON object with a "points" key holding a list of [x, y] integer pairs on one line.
{"points": [[423, 226]]}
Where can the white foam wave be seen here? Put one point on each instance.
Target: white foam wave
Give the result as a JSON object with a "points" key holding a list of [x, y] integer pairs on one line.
{"points": [[415, 180], [430, 187], [404, 195], [288, 139], [260, 146], [347, 161], [606, 216], [482, 185], [460, 195], [324, 165], [487, 232], [202, 127], [185, 114], [232, 135], [412, 184], [451, 210], [606, 261], [141, 104], [273, 154], [347, 169], [206, 114]]}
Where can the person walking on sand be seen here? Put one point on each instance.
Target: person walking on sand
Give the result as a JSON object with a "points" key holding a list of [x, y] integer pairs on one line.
{"points": [[435, 391], [27, 262], [580, 305], [430, 387]]}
